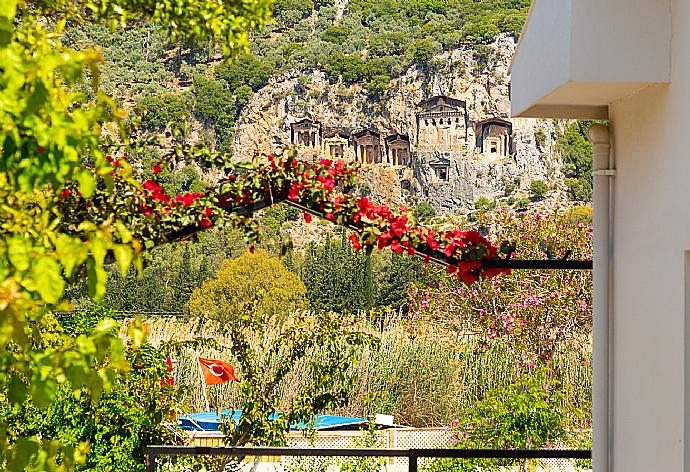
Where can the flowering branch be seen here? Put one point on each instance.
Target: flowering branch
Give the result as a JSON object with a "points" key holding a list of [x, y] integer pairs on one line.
{"points": [[319, 188]]}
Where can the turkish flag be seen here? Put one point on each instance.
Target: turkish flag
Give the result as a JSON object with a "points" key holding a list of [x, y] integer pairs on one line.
{"points": [[169, 363], [217, 372]]}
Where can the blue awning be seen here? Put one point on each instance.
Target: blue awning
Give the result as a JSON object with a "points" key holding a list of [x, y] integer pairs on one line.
{"points": [[210, 421]]}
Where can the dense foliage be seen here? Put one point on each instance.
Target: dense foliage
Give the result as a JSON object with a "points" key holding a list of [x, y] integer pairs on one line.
{"points": [[340, 279], [55, 120], [114, 427], [526, 414], [252, 282], [576, 152]]}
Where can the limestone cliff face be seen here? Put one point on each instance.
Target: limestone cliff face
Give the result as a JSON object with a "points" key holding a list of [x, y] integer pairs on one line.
{"points": [[441, 134]]}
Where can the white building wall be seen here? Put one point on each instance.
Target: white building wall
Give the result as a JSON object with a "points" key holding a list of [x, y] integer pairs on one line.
{"points": [[651, 141]]}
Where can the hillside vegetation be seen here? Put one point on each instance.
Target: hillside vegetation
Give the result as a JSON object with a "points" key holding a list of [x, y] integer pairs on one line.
{"points": [[363, 41]]}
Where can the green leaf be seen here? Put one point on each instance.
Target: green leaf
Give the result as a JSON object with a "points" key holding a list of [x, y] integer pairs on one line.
{"points": [[87, 182], [19, 253], [8, 8], [16, 393], [48, 278], [123, 231], [71, 253], [123, 256], [4, 269], [5, 32], [43, 391], [96, 279], [24, 449], [37, 98]]}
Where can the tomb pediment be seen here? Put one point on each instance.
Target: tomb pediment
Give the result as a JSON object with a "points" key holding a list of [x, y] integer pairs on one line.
{"points": [[442, 104], [329, 133], [397, 138], [439, 161], [500, 122], [366, 133], [304, 123]]}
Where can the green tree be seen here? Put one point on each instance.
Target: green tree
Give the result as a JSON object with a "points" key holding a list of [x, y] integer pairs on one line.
{"points": [[336, 34], [215, 104], [237, 283], [576, 152], [260, 307], [248, 69], [157, 111], [337, 278], [404, 272]]}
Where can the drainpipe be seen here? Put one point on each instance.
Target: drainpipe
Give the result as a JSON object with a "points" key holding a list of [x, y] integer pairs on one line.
{"points": [[602, 388]]}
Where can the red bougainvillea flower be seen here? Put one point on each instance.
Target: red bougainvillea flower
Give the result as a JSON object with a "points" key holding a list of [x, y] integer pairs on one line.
{"points": [[188, 199], [146, 211], [313, 186], [356, 245], [41, 149]]}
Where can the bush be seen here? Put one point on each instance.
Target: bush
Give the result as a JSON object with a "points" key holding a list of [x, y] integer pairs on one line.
{"points": [[538, 188], [523, 202], [484, 204], [289, 12], [526, 414], [247, 70], [424, 212], [336, 34], [157, 111], [421, 51], [540, 138]]}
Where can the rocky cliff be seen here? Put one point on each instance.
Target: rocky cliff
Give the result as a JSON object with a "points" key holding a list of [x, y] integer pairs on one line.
{"points": [[440, 134]]}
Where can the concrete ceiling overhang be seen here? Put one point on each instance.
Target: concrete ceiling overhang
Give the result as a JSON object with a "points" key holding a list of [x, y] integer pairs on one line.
{"points": [[576, 57]]}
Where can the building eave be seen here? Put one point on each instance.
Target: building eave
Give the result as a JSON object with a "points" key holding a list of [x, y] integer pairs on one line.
{"points": [[576, 57]]}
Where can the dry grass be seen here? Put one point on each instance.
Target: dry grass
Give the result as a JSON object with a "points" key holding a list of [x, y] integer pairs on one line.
{"points": [[426, 379]]}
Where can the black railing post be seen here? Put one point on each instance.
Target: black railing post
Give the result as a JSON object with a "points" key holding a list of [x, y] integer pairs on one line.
{"points": [[412, 467], [150, 460]]}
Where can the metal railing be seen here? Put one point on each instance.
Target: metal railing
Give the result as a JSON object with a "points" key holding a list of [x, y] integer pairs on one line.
{"points": [[413, 455]]}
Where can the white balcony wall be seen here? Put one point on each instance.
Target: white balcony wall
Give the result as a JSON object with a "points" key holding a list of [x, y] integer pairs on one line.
{"points": [[651, 340], [577, 56]]}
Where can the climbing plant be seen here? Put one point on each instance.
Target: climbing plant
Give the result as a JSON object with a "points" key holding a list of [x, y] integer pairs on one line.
{"points": [[153, 216], [57, 131]]}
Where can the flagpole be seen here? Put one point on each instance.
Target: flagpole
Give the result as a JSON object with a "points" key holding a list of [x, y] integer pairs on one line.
{"points": [[203, 382]]}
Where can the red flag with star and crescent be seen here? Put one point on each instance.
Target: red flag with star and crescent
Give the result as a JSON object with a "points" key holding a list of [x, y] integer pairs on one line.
{"points": [[216, 371]]}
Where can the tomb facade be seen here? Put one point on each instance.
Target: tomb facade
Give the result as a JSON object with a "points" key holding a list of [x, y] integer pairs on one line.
{"points": [[306, 132], [494, 136], [368, 149], [336, 145], [441, 168], [398, 151], [442, 124]]}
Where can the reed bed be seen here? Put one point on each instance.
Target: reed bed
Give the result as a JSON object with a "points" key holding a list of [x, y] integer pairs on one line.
{"points": [[423, 379]]}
